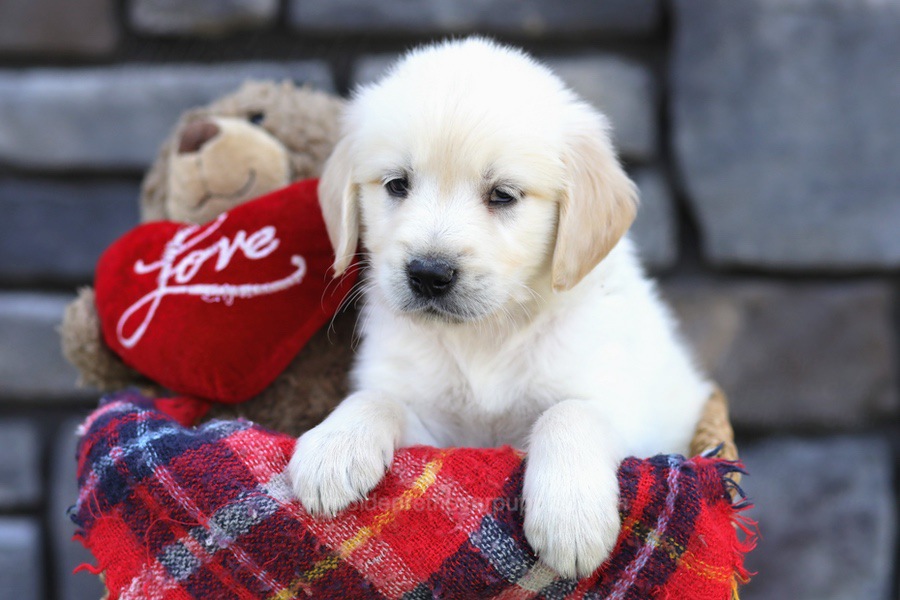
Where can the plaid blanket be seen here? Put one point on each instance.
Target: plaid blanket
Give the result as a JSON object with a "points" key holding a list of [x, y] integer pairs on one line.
{"points": [[174, 512]]}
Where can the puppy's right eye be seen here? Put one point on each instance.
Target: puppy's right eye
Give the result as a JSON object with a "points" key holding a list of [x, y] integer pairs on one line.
{"points": [[398, 188]]}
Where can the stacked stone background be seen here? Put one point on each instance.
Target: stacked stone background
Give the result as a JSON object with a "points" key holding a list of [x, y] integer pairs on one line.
{"points": [[765, 138]]}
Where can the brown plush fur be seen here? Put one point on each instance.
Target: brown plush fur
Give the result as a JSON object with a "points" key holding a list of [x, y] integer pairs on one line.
{"points": [[85, 348], [305, 123], [309, 388]]}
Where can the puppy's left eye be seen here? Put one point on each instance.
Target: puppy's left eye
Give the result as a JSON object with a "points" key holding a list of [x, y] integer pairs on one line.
{"points": [[257, 118], [501, 197], [398, 187]]}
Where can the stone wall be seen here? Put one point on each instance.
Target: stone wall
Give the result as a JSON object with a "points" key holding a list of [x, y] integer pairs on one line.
{"points": [[764, 136]]}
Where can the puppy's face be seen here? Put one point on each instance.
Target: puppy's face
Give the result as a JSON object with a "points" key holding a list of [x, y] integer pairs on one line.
{"points": [[457, 227], [477, 178]]}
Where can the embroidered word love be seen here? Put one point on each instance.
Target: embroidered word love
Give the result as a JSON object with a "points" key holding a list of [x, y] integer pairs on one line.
{"points": [[182, 260]]}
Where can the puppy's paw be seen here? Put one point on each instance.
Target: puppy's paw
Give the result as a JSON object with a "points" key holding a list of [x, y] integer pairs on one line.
{"points": [[331, 469], [572, 524], [571, 490]]}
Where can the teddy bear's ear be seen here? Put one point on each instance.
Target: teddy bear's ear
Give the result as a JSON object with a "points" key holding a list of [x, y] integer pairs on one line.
{"points": [[312, 130]]}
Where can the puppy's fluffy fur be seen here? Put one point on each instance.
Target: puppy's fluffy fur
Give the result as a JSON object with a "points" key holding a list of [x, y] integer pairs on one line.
{"points": [[550, 337]]}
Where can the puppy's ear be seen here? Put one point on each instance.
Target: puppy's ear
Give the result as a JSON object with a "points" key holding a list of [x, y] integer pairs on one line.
{"points": [[597, 206], [340, 205]]}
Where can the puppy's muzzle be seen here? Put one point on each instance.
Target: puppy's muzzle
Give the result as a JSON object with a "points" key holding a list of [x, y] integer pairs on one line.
{"points": [[430, 278]]}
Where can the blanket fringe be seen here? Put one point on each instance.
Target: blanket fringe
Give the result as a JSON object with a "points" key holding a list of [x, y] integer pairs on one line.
{"points": [[93, 570], [748, 527]]}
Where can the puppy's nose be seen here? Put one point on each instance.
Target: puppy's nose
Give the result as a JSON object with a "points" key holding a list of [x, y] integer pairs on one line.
{"points": [[195, 135], [430, 277]]}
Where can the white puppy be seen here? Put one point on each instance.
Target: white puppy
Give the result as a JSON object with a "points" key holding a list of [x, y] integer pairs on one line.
{"points": [[503, 305]]}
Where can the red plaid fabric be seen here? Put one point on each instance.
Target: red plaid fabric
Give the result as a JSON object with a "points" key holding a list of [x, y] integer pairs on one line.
{"points": [[172, 512]]}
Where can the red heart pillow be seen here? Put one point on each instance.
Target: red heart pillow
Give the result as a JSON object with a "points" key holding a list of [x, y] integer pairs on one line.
{"points": [[219, 310]]}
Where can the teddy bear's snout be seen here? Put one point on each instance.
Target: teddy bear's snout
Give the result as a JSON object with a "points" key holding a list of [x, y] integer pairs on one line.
{"points": [[196, 134]]}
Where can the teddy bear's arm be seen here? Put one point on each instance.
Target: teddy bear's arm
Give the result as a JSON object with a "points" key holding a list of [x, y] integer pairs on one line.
{"points": [[83, 346]]}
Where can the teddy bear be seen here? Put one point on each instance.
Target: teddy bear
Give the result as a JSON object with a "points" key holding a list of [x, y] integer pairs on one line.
{"points": [[255, 140]]}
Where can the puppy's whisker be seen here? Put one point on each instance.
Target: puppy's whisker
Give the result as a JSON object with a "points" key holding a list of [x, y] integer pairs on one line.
{"points": [[525, 309], [509, 319], [342, 304], [354, 292], [362, 320], [360, 283], [535, 295], [357, 295], [353, 269]]}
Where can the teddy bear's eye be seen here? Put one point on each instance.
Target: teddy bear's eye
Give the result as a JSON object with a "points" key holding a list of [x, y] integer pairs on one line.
{"points": [[256, 118]]}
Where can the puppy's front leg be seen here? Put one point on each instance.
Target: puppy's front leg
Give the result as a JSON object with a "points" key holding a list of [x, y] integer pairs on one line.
{"points": [[571, 491], [340, 460]]}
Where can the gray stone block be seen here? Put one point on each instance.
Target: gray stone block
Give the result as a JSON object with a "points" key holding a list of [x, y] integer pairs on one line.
{"points": [[20, 465], [530, 17], [785, 129], [624, 90], [21, 566], [32, 367], [116, 117], [58, 27], [204, 17], [795, 355], [370, 68], [827, 518], [56, 230], [655, 230], [68, 554]]}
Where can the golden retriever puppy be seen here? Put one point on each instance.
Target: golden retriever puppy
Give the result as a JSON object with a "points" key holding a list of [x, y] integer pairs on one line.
{"points": [[503, 302]]}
